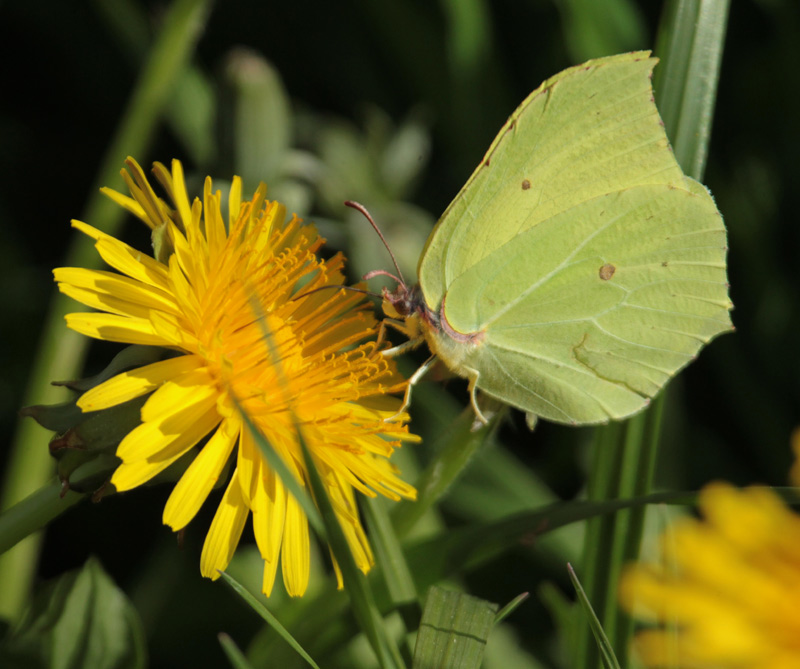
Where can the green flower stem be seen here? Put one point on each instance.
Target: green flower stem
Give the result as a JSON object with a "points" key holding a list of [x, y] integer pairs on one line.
{"points": [[61, 352], [34, 512]]}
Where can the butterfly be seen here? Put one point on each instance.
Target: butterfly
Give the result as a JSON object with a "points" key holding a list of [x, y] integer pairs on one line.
{"points": [[578, 269]]}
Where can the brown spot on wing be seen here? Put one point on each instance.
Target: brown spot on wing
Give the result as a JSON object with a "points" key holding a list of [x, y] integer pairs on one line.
{"points": [[607, 271]]}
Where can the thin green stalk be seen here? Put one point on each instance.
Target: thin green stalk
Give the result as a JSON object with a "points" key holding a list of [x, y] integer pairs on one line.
{"points": [[355, 582], [640, 448], [258, 606], [61, 352], [394, 570], [460, 443], [614, 540], [608, 454]]}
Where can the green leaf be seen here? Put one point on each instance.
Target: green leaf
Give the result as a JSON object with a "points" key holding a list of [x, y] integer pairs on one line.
{"points": [[453, 631], [271, 620], [603, 644], [81, 620]]}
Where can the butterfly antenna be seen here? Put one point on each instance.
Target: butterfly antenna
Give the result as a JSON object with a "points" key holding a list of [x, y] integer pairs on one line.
{"points": [[351, 288], [365, 213], [383, 272]]}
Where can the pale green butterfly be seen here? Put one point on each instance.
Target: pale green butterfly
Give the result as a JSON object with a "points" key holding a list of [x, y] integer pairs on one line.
{"points": [[578, 269]]}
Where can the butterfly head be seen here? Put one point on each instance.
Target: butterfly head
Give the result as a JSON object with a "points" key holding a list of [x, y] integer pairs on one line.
{"points": [[402, 302]]}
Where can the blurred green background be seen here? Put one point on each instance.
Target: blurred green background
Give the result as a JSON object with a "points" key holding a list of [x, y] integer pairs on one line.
{"points": [[393, 104]]}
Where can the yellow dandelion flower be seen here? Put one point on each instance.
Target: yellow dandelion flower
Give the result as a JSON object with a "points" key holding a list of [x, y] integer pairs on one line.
{"points": [[196, 299], [726, 592]]}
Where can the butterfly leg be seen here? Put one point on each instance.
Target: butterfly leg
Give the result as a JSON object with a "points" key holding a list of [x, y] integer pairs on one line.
{"points": [[415, 377], [390, 322], [473, 374], [414, 338], [402, 348]]}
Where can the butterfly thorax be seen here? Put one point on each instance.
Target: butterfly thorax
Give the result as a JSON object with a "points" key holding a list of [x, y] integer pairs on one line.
{"points": [[420, 320], [451, 346]]}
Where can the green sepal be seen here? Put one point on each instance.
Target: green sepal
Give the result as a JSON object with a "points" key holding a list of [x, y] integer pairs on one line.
{"points": [[80, 437], [130, 357]]}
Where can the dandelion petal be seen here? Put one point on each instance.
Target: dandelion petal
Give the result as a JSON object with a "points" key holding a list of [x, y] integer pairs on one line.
{"points": [[226, 530], [198, 480]]}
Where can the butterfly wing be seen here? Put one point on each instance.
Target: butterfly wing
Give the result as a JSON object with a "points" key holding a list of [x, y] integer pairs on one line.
{"points": [[593, 267], [585, 132], [619, 294]]}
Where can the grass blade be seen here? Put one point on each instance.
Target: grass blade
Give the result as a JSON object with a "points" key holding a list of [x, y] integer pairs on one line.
{"points": [[394, 570], [509, 608], [361, 597], [603, 644], [275, 461], [389, 553], [690, 42], [235, 656], [265, 613]]}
